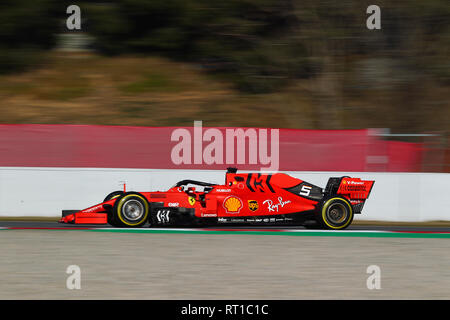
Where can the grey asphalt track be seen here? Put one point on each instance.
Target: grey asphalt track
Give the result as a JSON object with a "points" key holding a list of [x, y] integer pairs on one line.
{"points": [[378, 226], [218, 265]]}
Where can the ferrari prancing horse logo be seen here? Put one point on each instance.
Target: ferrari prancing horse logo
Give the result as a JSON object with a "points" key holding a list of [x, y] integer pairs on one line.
{"points": [[191, 201]]}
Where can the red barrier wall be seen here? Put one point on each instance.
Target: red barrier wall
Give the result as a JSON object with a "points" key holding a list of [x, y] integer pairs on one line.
{"points": [[151, 147], [404, 156]]}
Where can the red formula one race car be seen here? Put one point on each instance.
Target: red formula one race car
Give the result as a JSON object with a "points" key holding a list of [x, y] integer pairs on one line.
{"points": [[245, 198]]}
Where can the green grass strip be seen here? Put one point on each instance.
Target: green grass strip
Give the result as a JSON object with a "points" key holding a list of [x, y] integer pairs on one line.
{"points": [[331, 233]]}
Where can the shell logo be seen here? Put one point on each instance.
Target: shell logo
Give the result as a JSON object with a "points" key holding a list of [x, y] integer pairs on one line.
{"points": [[232, 204]]}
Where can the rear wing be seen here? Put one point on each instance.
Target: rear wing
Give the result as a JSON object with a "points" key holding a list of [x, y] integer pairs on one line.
{"points": [[354, 189]]}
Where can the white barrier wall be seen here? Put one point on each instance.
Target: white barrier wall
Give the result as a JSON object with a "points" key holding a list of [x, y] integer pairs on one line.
{"points": [[46, 191]]}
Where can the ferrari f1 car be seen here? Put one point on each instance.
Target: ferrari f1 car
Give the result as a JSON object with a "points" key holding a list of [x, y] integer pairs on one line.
{"points": [[245, 198]]}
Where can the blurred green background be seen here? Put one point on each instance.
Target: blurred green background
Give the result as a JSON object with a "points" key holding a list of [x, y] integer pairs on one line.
{"points": [[309, 64]]}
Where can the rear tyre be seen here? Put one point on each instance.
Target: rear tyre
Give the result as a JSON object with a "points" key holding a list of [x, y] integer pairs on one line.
{"points": [[336, 213], [131, 210]]}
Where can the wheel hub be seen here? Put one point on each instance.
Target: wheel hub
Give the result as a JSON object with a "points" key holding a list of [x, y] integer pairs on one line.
{"points": [[133, 210], [337, 213]]}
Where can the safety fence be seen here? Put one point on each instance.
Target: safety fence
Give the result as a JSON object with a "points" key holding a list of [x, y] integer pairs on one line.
{"points": [[93, 146]]}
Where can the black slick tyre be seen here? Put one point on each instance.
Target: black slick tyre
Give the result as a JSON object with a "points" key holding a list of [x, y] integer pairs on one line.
{"points": [[130, 210], [111, 196], [335, 213]]}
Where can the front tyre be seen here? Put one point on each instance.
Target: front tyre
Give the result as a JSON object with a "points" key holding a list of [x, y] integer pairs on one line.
{"points": [[113, 195], [131, 210], [336, 213]]}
